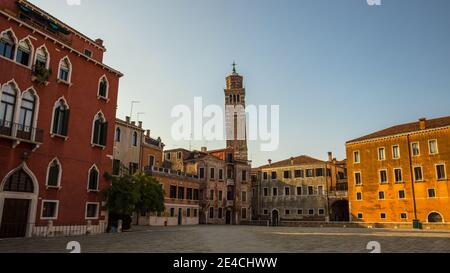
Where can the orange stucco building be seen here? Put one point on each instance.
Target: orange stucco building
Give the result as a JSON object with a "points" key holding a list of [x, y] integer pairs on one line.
{"points": [[400, 174]]}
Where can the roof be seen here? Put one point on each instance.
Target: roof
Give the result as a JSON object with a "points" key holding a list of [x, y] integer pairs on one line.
{"points": [[406, 128], [300, 160]]}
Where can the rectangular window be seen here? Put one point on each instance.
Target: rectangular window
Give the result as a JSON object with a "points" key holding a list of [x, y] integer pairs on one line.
{"points": [[116, 167], [91, 210], [274, 175], [168, 156], [202, 173], [220, 196], [179, 155], [196, 194], [433, 147], [88, 53], [319, 172], [181, 193], [287, 212], [220, 213], [431, 193], [173, 192], [299, 173], [212, 174], [221, 174], [244, 213], [211, 213], [359, 196], [188, 213], [266, 212], [383, 177], [395, 152], [310, 173], [381, 195], [172, 212], [356, 157], [287, 191], [440, 172], [244, 196], [311, 212], [358, 180], [360, 216], [49, 210], [381, 154], [244, 176], [211, 195], [418, 174], [275, 192], [398, 175], [265, 176], [415, 149], [321, 212], [310, 190], [404, 216], [300, 212], [189, 194], [320, 190], [383, 216], [299, 191], [401, 194], [266, 192], [287, 174]]}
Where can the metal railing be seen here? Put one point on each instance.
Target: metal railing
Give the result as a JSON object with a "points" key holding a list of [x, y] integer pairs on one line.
{"points": [[21, 132], [156, 170]]}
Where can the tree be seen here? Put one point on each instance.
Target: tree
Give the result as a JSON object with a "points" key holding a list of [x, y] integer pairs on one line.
{"points": [[151, 195]]}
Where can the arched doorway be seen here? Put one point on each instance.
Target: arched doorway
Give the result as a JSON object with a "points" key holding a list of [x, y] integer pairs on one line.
{"points": [[275, 218], [18, 202], [435, 217], [340, 211]]}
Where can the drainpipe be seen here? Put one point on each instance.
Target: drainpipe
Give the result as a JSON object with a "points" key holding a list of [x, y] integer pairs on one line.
{"points": [[412, 178]]}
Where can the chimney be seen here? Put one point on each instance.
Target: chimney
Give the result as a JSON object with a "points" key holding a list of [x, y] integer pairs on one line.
{"points": [[204, 149], [99, 42], [127, 119], [270, 162], [423, 123], [330, 156], [148, 133], [140, 124], [133, 123], [292, 161]]}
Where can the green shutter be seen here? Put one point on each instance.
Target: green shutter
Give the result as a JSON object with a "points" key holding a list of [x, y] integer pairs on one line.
{"points": [[104, 133], [65, 126], [55, 121], [97, 126]]}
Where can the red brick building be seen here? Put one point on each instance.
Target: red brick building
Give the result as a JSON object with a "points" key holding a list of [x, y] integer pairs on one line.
{"points": [[57, 111]]}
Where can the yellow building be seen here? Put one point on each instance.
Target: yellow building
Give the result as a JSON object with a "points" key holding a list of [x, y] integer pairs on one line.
{"points": [[400, 174]]}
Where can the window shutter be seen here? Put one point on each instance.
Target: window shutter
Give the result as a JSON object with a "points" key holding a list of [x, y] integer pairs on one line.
{"points": [[104, 133], [97, 126], [55, 120], [65, 125]]}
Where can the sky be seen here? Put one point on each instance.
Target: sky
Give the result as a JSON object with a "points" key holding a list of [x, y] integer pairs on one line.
{"points": [[338, 69]]}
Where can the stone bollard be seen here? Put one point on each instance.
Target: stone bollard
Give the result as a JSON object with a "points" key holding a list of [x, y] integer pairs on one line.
{"points": [[50, 232], [119, 226], [89, 227]]}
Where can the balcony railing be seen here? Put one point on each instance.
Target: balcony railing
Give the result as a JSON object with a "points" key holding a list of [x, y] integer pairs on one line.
{"points": [[21, 132], [230, 182], [163, 171]]}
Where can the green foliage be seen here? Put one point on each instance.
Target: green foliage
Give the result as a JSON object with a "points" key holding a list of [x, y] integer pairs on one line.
{"points": [[137, 193], [42, 74]]}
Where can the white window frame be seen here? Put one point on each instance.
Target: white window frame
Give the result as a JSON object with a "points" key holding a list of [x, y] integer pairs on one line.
{"points": [[268, 193], [435, 193], [412, 149], [16, 44], [393, 153], [321, 214], [445, 171], [289, 189], [384, 196], [53, 117], [398, 194], [301, 211], [56, 212], [94, 166], [387, 177], [47, 65], [362, 196], [30, 44], [429, 147], [59, 174], [414, 173], [384, 153], [86, 210], [69, 76], [107, 88], [354, 157], [360, 177], [404, 219], [362, 216], [395, 177], [381, 216], [314, 212], [93, 128]]}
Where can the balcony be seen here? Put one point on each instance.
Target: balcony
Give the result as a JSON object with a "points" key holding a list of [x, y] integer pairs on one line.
{"points": [[230, 203], [21, 133]]}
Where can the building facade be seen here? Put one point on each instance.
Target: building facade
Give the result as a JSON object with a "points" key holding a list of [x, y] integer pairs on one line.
{"points": [[152, 153], [57, 99], [300, 189], [400, 174], [128, 145]]}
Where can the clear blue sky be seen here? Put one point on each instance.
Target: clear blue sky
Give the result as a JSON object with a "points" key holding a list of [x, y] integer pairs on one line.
{"points": [[338, 69]]}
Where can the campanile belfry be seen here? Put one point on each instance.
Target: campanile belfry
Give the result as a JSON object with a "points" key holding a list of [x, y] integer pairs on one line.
{"points": [[235, 97]]}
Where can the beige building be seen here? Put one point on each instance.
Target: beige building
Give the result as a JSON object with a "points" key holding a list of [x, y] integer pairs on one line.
{"points": [[128, 138], [300, 189]]}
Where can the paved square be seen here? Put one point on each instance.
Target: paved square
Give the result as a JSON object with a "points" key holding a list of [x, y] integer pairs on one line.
{"points": [[237, 239]]}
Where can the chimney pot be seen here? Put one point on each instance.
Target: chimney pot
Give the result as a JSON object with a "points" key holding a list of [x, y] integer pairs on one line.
{"points": [[148, 133], [99, 42], [270, 162], [204, 149], [127, 119], [140, 124], [423, 123], [330, 156], [133, 123]]}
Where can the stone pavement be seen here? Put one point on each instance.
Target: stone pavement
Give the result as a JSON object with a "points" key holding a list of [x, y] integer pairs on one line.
{"points": [[239, 239]]}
